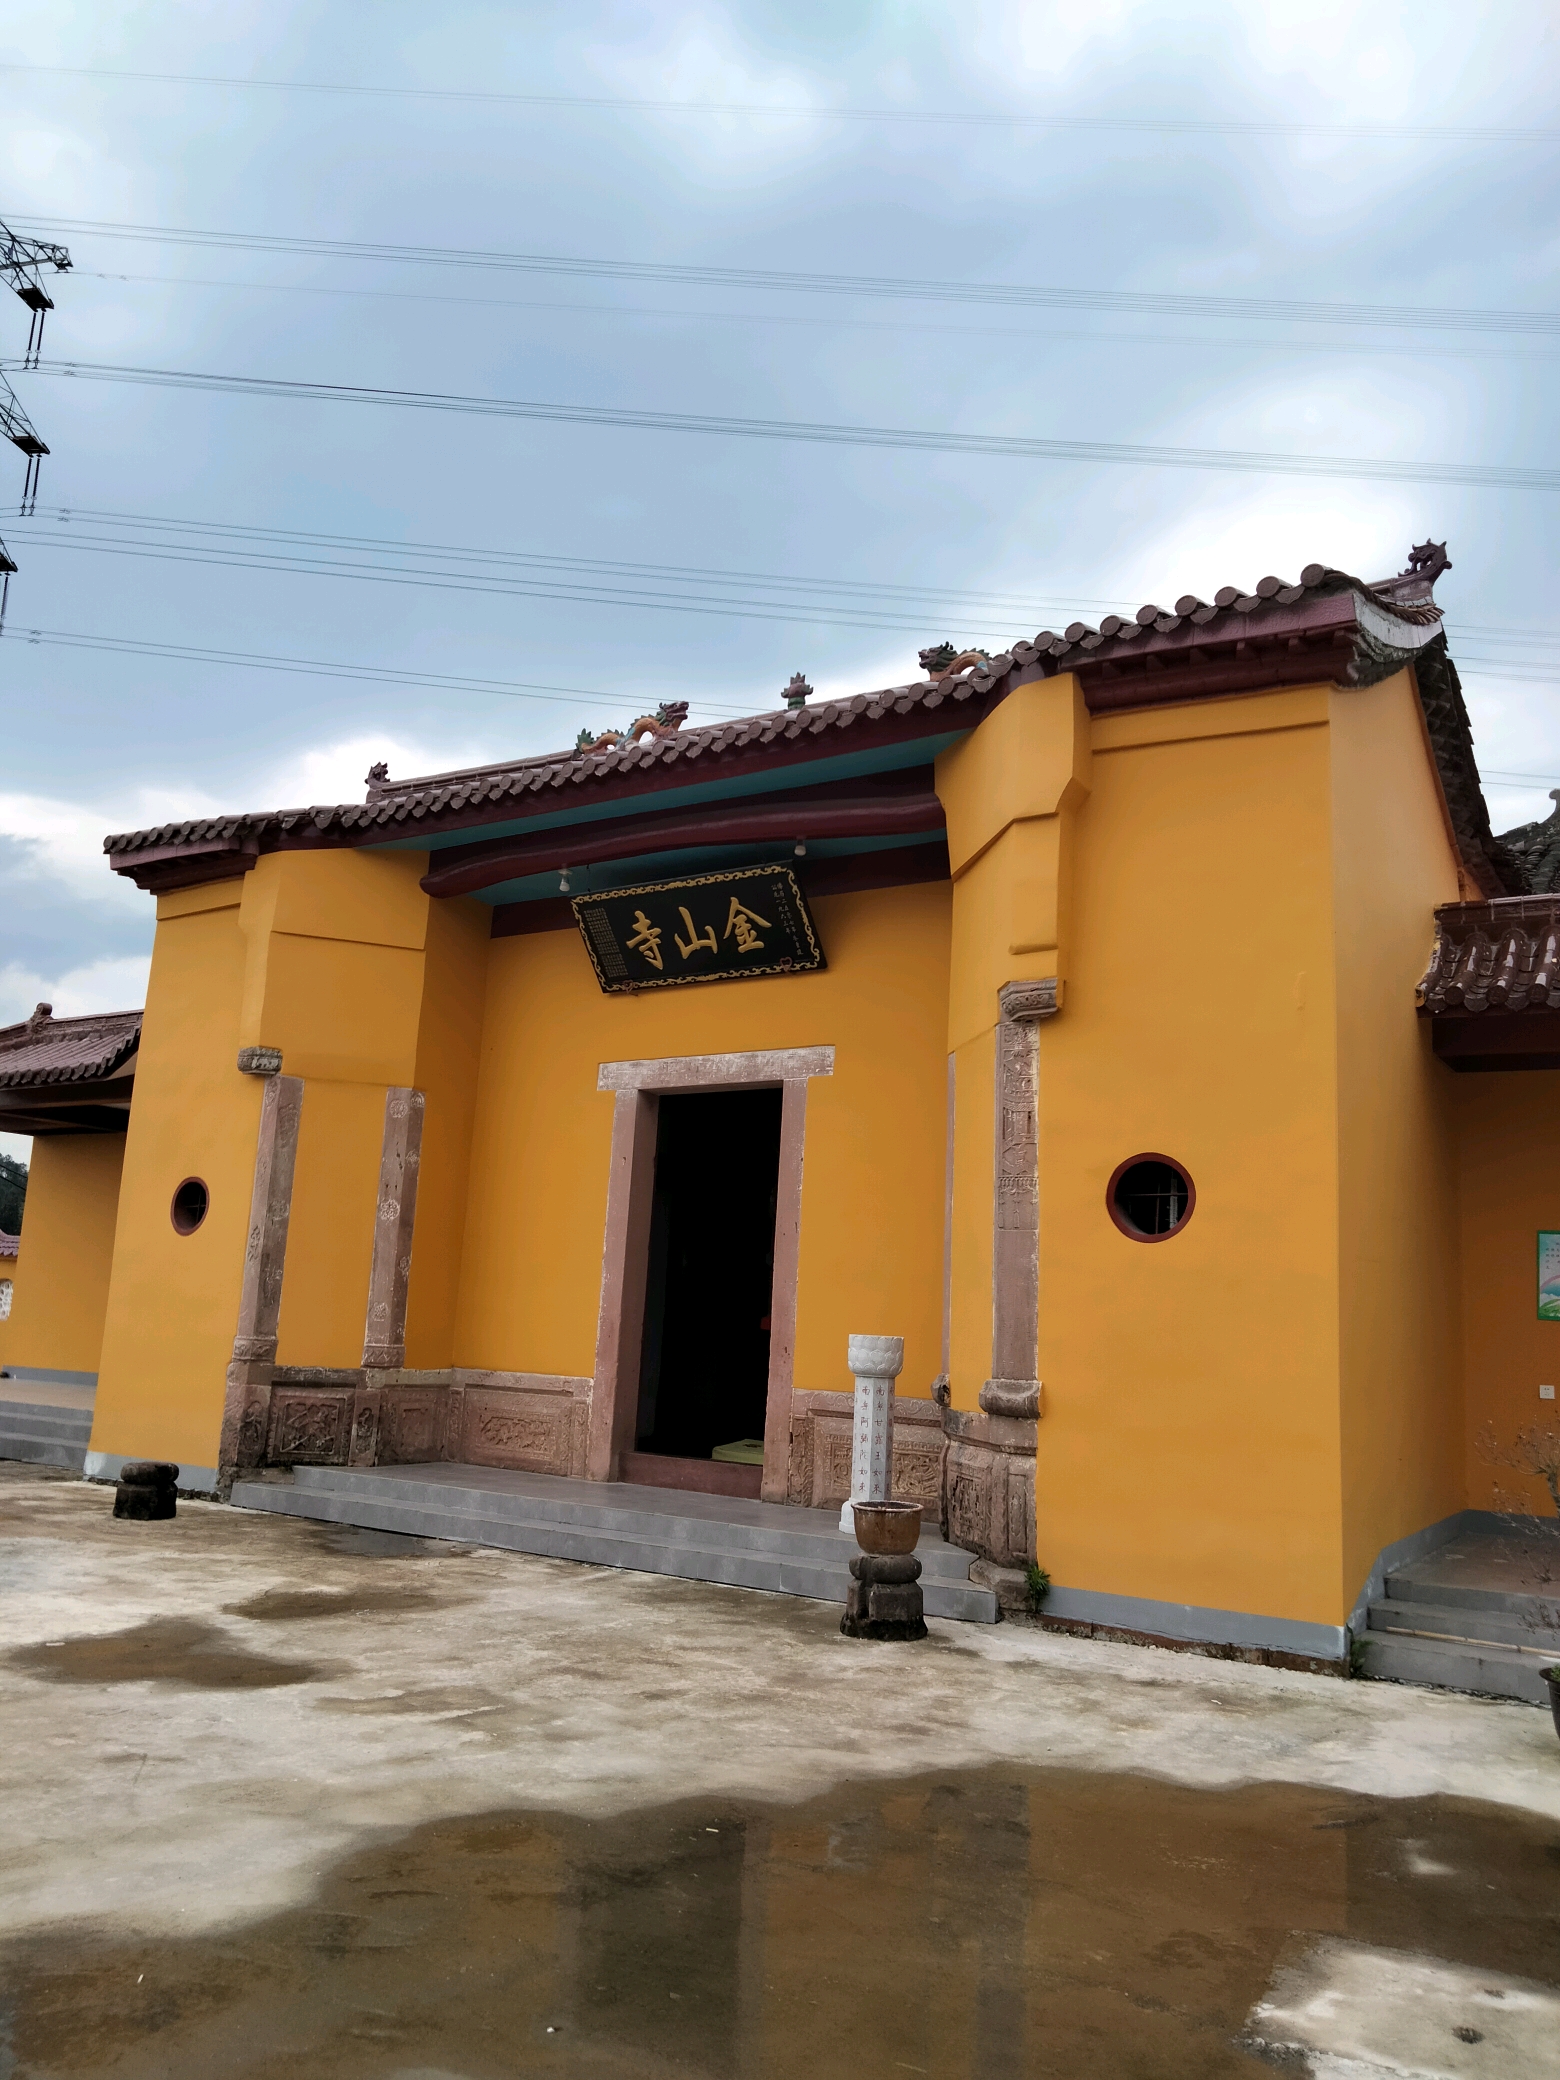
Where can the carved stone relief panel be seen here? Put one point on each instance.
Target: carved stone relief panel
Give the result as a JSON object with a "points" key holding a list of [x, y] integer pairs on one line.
{"points": [[989, 1486], [312, 1429], [831, 1451], [532, 1433], [366, 1428], [918, 1453], [412, 1421]]}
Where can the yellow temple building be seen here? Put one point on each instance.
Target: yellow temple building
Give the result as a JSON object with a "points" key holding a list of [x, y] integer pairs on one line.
{"points": [[1055, 1011]]}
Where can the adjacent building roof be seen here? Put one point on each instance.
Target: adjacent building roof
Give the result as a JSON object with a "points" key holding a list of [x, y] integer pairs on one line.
{"points": [[68, 1075], [1492, 989], [45, 1049], [1326, 626], [1536, 849]]}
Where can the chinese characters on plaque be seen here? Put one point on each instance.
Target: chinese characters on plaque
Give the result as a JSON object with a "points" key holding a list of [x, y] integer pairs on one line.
{"points": [[708, 928]]}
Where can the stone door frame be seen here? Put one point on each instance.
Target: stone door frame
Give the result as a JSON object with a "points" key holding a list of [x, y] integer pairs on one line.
{"points": [[638, 1088]]}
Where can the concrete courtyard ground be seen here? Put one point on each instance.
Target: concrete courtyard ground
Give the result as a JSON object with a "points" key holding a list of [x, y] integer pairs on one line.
{"points": [[278, 1798]]}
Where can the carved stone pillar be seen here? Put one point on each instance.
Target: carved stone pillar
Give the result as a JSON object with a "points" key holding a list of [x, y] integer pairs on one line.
{"points": [[1015, 1251], [246, 1405], [989, 1468], [384, 1331], [876, 1362]]}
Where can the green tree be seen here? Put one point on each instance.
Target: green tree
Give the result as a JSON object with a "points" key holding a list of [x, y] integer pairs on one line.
{"points": [[13, 1190]]}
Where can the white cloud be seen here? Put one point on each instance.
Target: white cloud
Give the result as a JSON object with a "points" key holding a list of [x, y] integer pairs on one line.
{"points": [[105, 985], [117, 984], [335, 772], [63, 841]]}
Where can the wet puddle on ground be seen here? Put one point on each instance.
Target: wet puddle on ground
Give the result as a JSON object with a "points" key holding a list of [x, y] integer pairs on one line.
{"points": [[185, 1652], [973, 1924]]}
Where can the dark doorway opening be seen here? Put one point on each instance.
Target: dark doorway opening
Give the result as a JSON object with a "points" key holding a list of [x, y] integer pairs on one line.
{"points": [[704, 1364]]}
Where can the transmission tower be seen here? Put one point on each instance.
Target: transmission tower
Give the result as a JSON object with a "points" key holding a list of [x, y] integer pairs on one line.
{"points": [[22, 261], [20, 432]]}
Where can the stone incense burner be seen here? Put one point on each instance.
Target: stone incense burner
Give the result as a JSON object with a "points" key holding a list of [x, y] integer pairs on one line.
{"points": [[884, 1598]]}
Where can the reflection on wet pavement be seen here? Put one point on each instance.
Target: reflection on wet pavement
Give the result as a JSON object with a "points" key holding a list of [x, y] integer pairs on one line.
{"points": [[972, 1924]]}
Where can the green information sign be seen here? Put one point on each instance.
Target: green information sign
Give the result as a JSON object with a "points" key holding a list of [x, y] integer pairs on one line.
{"points": [[707, 928], [1549, 1275]]}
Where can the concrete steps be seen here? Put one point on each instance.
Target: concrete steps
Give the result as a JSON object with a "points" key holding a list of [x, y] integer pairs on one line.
{"points": [[1481, 1615], [702, 1538], [45, 1435]]}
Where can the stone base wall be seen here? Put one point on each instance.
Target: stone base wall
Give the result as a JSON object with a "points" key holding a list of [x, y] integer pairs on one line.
{"points": [[818, 1474], [989, 1486], [530, 1422], [973, 1473]]}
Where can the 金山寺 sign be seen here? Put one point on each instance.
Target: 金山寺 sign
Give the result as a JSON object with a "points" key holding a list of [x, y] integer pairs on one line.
{"points": [[707, 928]]}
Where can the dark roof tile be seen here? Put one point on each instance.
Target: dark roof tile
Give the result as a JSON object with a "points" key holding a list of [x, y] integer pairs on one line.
{"points": [[1327, 625], [44, 1049]]}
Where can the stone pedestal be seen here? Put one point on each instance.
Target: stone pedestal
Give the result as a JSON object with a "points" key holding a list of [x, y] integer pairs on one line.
{"points": [[145, 1491], [876, 1362], [884, 1598]]}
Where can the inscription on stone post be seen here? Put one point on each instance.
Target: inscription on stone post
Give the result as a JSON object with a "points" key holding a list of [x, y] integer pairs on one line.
{"points": [[876, 1362], [1015, 1267]]}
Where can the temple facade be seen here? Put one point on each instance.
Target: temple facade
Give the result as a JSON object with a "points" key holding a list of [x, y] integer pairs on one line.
{"points": [[1055, 1011]]}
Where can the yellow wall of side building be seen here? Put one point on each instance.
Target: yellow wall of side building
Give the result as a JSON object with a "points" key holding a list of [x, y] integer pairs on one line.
{"points": [[1399, 1312], [60, 1274], [1189, 1447], [173, 1299], [1508, 1130], [872, 1190]]}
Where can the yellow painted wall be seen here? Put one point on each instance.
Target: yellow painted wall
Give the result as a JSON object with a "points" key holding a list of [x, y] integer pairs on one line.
{"points": [[449, 1054], [1013, 791], [337, 954], [1509, 1139], [56, 1321], [10, 1274], [1401, 1391], [173, 1299], [872, 1190], [1189, 1448]]}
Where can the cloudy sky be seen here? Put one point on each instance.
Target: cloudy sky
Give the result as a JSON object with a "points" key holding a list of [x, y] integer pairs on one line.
{"points": [[658, 159]]}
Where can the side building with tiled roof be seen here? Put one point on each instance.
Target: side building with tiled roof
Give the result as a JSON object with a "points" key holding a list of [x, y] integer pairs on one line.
{"points": [[68, 1082], [1053, 1012]]}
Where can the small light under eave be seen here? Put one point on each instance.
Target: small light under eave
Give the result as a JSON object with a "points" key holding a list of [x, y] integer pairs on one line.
{"points": [[563, 882], [800, 848]]}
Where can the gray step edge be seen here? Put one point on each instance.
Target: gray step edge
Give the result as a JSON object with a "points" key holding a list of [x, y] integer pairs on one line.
{"points": [[1459, 1622], [1479, 1670], [614, 1519], [777, 1573], [1460, 1596], [26, 1416], [44, 1451]]}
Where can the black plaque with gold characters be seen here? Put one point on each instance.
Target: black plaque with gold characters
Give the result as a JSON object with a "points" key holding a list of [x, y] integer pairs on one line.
{"points": [[706, 928]]}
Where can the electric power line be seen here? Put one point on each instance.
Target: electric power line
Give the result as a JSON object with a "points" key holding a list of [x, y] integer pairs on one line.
{"points": [[561, 576], [983, 119], [1508, 477], [1419, 350], [702, 590], [411, 681], [319, 668], [1152, 303]]}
